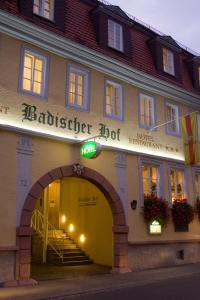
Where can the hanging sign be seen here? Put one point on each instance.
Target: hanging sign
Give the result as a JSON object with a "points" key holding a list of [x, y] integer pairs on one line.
{"points": [[155, 228], [90, 149]]}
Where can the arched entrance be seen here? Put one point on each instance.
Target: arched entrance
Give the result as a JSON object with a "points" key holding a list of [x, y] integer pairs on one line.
{"points": [[120, 229]]}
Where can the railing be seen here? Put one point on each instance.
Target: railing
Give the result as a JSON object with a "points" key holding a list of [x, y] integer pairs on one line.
{"points": [[55, 239]]}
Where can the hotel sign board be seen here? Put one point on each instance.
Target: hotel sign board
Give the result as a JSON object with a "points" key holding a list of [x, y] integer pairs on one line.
{"points": [[91, 149], [53, 120]]}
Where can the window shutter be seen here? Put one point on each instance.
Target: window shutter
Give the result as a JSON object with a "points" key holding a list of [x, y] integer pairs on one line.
{"points": [[59, 14], [26, 7]]}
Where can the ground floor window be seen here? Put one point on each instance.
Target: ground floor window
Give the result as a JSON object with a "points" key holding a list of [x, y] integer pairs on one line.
{"points": [[150, 180], [197, 185], [177, 184]]}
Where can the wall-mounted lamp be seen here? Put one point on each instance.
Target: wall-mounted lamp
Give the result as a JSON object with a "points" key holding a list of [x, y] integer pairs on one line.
{"points": [[63, 219], [133, 204], [71, 228], [82, 238]]}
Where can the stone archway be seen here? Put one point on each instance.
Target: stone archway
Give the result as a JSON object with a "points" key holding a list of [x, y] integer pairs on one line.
{"points": [[24, 232]]}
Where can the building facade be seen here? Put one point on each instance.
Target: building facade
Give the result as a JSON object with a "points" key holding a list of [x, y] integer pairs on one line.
{"points": [[83, 70]]}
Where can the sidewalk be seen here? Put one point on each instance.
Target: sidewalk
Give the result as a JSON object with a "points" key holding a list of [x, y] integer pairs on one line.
{"points": [[53, 288]]}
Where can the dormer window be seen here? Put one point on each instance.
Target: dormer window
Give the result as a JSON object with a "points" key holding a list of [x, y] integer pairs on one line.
{"points": [[44, 8], [168, 61], [115, 35], [199, 75]]}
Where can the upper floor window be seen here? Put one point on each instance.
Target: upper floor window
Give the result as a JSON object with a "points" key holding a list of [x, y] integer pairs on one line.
{"points": [[115, 35], [114, 101], [34, 73], [199, 75], [44, 8], [78, 88], [177, 184], [172, 118], [146, 111], [150, 180], [168, 61]]}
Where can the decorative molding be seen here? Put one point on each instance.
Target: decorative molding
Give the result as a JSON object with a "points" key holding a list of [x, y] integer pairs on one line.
{"points": [[121, 173], [27, 32], [23, 174], [78, 169]]}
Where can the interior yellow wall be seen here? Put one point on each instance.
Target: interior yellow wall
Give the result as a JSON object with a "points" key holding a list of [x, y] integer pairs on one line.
{"points": [[94, 221]]}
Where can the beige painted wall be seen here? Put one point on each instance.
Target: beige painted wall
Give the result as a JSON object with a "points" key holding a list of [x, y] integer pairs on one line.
{"points": [[49, 154]]}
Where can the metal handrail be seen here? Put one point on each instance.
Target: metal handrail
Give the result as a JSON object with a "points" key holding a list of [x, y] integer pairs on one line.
{"points": [[55, 239]]}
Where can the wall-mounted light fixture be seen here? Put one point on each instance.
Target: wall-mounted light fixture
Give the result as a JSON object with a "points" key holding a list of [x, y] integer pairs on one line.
{"points": [[63, 219], [71, 227], [82, 238], [133, 204]]}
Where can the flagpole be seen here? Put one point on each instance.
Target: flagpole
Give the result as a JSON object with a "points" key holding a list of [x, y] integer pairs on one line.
{"points": [[152, 128]]}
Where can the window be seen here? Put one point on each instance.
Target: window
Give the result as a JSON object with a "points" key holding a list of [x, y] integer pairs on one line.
{"points": [[44, 8], [78, 86], [114, 100], [197, 185], [177, 184], [150, 180], [115, 35], [34, 77], [168, 61], [199, 75], [172, 117], [146, 111]]}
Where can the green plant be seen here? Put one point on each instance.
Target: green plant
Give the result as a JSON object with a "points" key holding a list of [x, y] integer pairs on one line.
{"points": [[155, 209], [182, 212]]}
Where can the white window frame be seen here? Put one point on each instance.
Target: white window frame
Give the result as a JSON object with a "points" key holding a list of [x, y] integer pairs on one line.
{"points": [[179, 168], [168, 61], [115, 41], [85, 74], [151, 99], [196, 172], [113, 101], [160, 175], [41, 12], [175, 118], [43, 93], [150, 178]]}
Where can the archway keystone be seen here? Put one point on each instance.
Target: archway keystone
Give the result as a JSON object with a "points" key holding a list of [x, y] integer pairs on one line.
{"points": [[120, 229]]}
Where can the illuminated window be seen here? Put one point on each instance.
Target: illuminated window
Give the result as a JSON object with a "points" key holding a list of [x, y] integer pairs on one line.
{"points": [[114, 100], [177, 184], [172, 117], [168, 61], [197, 185], [146, 111], [150, 180], [78, 86], [115, 35], [34, 73], [44, 8]]}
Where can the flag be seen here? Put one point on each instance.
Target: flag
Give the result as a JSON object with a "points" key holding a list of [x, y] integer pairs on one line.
{"points": [[189, 124]]}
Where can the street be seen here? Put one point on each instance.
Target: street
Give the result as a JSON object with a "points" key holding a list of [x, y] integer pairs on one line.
{"points": [[183, 288]]}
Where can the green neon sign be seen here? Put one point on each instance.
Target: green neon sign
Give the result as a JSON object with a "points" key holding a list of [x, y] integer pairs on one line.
{"points": [[90, 149]]}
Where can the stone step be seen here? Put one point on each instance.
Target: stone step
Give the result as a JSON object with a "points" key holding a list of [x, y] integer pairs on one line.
{"points": [[75, 263]]}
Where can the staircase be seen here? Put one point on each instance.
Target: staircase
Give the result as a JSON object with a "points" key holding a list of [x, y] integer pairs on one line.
{"points": [[72, 255], [61, 249]]}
